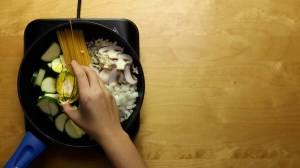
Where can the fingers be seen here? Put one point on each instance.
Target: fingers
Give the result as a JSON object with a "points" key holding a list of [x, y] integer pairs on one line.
{"points": [[72, 113], [92, 77], [102, 86], [86, 77], [82, 79]]}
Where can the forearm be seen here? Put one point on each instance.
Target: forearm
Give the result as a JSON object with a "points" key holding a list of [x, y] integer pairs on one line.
{"points": [[121, 151]]}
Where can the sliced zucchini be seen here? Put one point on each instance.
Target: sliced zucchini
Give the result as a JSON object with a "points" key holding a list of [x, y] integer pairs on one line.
{"points": [[60, 122], [49, 85], [71, 130], [34, 75], [56, 65], [39, 77], [52, 52], [49, 65], [79, 130], [63, 61], [48, 105], [53, 95]]}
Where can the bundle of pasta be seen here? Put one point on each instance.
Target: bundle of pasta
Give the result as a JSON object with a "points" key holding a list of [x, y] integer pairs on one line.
{"points": [[73, 46]]}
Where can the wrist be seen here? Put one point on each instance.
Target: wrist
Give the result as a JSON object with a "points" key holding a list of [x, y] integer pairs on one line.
{"points": [[108, 136]]}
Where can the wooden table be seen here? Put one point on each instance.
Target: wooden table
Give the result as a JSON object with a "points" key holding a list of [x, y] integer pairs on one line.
{"points": [[222, 81]]}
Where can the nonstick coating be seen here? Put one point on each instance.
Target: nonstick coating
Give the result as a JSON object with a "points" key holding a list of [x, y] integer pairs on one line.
{"points": [[28, 93]]}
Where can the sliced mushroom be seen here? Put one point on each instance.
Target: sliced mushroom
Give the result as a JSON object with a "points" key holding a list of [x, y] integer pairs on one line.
{"points": [[111, 47], [131, 79], [135, 70], [125, 57], [112, 54], [116, 76], [104, 75], [123, 60], [113, 76], [121, 64], [121, 77]]}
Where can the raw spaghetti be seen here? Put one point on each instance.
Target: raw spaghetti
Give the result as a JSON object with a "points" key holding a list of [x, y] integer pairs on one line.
{"points": [[73, 46]]}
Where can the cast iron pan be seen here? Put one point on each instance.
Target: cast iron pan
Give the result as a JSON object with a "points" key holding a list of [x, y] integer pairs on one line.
{"points": [[31, 146]]}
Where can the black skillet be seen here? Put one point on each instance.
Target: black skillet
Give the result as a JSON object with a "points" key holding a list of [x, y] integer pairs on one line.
{"points": [[31, 145]]}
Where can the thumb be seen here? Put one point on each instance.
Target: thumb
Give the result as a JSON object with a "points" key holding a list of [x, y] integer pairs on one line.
{"points": [[71, 112]]}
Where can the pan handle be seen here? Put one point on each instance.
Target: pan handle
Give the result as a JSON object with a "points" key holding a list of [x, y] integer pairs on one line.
{"points": [[27, 151]]}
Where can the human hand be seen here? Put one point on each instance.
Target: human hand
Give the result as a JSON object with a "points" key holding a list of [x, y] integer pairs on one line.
{"points": [[98, 116], [97, 113]]}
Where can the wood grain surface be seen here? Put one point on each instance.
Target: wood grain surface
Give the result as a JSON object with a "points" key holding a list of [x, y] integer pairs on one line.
{"points": [[222, 81]]}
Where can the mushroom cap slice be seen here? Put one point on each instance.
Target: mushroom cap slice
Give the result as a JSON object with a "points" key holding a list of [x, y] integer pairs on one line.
{"points": [[130, 78], [112, 54], [123, 60], [104, 75], [116, 76], [111, 47], [125, 57]]}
